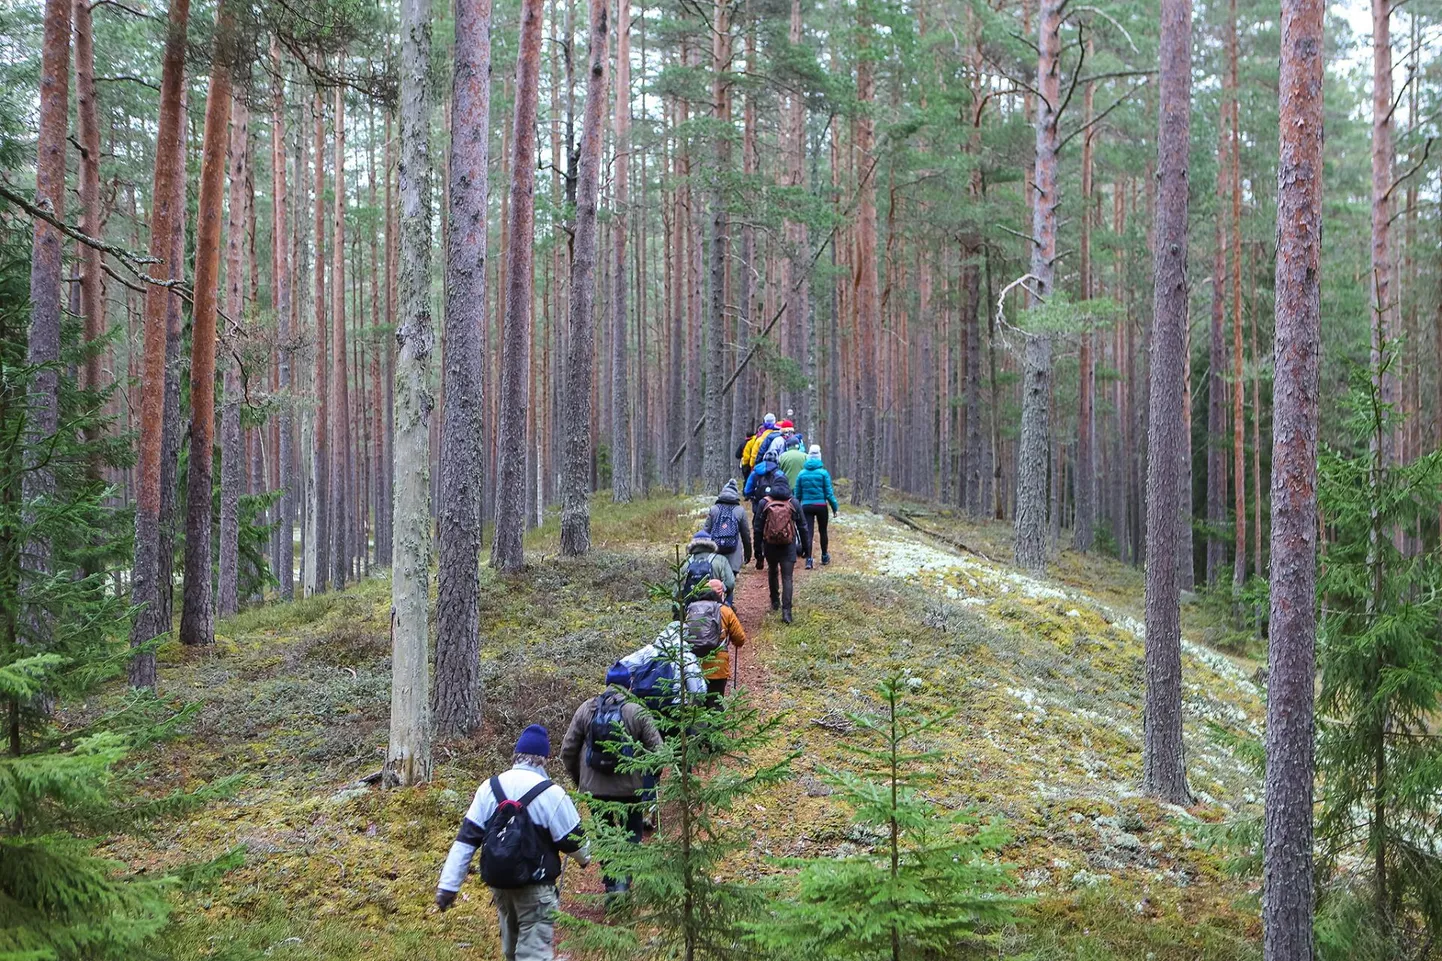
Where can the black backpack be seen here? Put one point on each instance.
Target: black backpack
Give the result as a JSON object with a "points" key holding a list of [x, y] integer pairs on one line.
{"points": [[698, 571], [606, 743], [515, 852]]}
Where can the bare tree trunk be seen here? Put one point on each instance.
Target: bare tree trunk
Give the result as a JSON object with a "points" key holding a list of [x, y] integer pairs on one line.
{"points": [[714, 458], [408, 756], [280, 286], [318, 490], [87, 117], [43, 349], [385, 521], [1216, 384], [1384, 306], [232, 450], [170, 430], [339, 426], [1034, 442], [866, 489], [1239, 425], [581, 327], [1287, 900], [1083, 529], [506, 548], [197, 615], [621, 488], [1163, 760], [458, 615]]}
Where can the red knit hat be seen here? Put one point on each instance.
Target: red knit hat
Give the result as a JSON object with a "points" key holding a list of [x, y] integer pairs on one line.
{"points": [[786, 425]]}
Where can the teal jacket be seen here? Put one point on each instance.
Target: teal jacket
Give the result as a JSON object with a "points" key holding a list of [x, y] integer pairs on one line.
{"points": [[814, 485]]}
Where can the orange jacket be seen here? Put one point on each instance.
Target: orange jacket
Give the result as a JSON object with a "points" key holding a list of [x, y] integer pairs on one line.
{"points": [[718, 665]]}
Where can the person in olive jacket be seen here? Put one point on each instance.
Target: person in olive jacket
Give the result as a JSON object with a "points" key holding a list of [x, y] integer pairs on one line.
{"points": [[622, 789], [814, 491]]}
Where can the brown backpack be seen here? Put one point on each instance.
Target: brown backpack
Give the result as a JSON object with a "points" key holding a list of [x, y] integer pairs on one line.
{"points": [[777, 526]]}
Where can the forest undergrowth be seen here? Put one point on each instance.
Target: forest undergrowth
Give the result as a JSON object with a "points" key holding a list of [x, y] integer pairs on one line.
{"points": [[1045, 678]]}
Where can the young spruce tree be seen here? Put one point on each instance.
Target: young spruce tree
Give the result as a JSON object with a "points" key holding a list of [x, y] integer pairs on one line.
{"points": [[926, 890]]}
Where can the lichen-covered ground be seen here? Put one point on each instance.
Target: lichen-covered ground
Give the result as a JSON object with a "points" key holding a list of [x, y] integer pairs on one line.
{"points": [[1044, 677]]}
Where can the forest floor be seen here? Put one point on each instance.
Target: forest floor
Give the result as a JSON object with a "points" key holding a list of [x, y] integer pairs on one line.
{"points": [[1044, 677]]}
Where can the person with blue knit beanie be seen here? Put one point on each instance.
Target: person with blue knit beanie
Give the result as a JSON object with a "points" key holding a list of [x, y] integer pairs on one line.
{"points": [[523, 874]]}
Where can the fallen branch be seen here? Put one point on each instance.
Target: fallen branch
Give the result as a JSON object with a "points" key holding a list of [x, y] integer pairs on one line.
{"points": [[905, 521]]}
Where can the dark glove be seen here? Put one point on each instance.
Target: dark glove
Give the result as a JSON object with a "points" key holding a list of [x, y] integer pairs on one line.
{"points": [[444, 899], [834, 512]]}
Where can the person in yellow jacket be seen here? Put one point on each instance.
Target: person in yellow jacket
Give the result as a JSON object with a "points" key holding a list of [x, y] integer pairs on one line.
{"points": [[752, 452]]}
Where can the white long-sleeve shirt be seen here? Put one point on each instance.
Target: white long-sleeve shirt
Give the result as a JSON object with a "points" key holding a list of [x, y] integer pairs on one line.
{"points": [[668, 644], [553, 811]]}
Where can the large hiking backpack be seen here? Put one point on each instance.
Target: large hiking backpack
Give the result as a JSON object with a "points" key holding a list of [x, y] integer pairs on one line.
{"points": [[606, 742], [657, 682], [515, 849], [702, 627], [698, 571], [724, 530], [778, 528]]}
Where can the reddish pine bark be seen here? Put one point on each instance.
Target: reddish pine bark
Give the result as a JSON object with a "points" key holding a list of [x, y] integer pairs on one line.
{"points": [[319, 487], [867, 487], [87, 117], [1384, 152], [1287, 899], [457, 706], [1163, 760], [506, 548], [576, 404], [197, 616], [1239, 425], [1083, 527]]}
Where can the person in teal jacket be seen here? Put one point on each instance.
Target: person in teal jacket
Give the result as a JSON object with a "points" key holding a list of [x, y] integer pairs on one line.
{"points": [[814, 491]]}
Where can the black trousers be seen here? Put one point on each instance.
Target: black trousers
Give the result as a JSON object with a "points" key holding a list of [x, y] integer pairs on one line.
{"points": [[817, 516], [628, 818], [780, 564]]}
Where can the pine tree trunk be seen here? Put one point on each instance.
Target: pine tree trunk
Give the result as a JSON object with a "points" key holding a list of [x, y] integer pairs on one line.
{"points": [[87, 117], [408, 755], [458, 618], [1084, 527], [714, 471], [232, 451], [1216, 384], [581, 327], [280, 286], [511, 452], [1163, 762], [1287, 892], [1034, 442], [318, 573], [385, 520], [1239, 424], [866, 489], [197, 615], [621, 488], [1383, 297], [170, 430], [339, 422], [43, 347]]}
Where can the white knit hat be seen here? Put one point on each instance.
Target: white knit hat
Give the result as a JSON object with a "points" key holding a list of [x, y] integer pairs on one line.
{"points": [[815, 451]]}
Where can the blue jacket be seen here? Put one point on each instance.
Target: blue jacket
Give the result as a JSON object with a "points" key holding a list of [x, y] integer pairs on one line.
{"points": [[813, 486], [756, 483]]}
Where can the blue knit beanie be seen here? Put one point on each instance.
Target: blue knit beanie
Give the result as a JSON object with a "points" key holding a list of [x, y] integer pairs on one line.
{"points": [[619, 675], [534, 740]]}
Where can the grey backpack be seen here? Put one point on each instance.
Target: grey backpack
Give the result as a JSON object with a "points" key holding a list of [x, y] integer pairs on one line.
{"points": [[701, 628]]}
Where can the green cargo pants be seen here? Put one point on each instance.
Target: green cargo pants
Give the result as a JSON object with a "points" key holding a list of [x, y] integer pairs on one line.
{"points": [[528, 921]]}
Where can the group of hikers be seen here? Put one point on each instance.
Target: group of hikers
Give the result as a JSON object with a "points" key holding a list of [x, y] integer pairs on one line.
{"points": [[520, 820]]}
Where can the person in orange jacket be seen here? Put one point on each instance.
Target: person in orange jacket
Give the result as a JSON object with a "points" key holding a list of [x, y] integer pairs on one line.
{"points": [[712, 629]]}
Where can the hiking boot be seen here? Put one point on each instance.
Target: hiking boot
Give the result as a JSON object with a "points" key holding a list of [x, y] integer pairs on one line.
{"points": [[786, 616], [825, 559], [775, 606], [808, 563]]}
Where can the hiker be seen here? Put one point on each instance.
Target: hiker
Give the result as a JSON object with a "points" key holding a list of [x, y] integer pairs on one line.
{"points": [[792, 459], [655, 670], [728, 526], [605, 729], [814, 491], [776, 526], [740, 455], [705, 561], [774, 444], [752, 453], [712, 629], [759, 479], [523, 823]]}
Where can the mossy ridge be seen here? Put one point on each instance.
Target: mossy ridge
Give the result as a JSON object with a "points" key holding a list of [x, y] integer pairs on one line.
{"points": [[296, 697]]}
